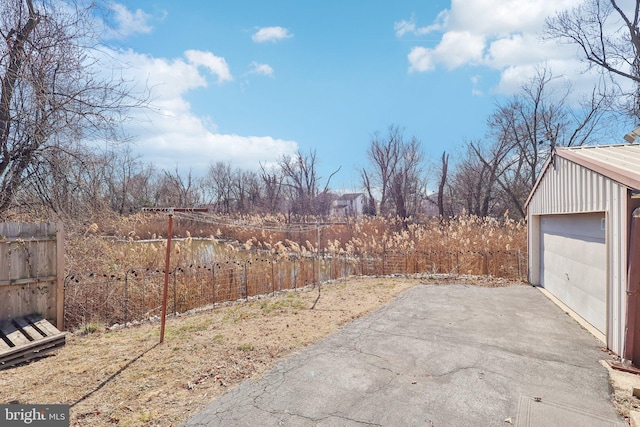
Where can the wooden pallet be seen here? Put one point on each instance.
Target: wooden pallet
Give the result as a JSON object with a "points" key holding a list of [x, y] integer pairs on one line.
{"points": [[25, 338]]}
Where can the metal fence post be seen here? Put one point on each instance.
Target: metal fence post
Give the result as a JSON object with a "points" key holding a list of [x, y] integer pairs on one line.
{"points": [[213, 282], [126, 296], [245, 281], [175, 291], [384, 261]]}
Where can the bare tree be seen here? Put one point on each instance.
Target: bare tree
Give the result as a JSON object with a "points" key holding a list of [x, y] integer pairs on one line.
{"points": [[127, 180], [607, 36], [51, 89], [384, 155], [396, 173], [370, 202], [272, 182], [67, 184], [522, 132], [178, 190], [219, 186], [409, 184], [442, 183], [473, 185], [302, 179], [247, 190]]}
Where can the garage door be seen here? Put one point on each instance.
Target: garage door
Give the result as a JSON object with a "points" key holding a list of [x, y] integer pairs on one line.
{"points": [[574, 267]]}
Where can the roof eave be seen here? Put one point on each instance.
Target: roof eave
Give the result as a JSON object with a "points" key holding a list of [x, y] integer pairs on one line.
{"points": [[600, 168], [535, 186]]}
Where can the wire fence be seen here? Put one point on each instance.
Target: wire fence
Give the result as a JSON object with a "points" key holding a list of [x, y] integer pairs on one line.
{"points": [[135, 294]]}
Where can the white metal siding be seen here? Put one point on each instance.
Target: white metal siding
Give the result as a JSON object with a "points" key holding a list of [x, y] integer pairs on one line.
{"points": [[567, 187]]}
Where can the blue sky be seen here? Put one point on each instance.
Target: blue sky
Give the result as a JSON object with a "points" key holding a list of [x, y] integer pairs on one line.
{"points": [[249, 81]]}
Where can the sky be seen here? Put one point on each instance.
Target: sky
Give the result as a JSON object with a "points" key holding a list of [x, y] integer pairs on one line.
{"points": [[246, 82]]}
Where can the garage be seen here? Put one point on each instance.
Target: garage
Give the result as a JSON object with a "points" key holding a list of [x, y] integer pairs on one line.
{"points": [[574, 263], [579, 218]]}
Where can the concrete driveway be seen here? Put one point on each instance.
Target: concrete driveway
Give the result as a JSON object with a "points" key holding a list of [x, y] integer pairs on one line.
{"points": [[449, 355]]}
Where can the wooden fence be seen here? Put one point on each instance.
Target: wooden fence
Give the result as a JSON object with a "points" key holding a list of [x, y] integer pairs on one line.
{"points": [[32, 271]]}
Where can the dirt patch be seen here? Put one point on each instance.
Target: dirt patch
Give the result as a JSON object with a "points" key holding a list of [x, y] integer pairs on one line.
{"points": [[624, 401], [124, 377]]}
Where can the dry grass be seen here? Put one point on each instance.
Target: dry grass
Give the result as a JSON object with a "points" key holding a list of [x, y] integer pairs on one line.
{"points": [[119, 281], [123, 377], [277, 235]]}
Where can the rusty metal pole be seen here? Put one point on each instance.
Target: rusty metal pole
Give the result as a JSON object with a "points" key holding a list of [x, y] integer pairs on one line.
{"points": [[632, 343], [167, 263]]}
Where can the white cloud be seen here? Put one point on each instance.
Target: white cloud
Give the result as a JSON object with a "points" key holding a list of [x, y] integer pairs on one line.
{"points": [[215, 64], [196, 148], [421, 59], [403, 27], [516, 49], [503, 17], [262, 69], [169, 133], [271, 34], [129, 22], [460, 47], [502, 35], [455, 49]]}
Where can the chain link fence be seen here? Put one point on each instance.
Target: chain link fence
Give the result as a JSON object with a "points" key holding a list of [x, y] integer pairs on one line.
{"points": [[135, 294]]}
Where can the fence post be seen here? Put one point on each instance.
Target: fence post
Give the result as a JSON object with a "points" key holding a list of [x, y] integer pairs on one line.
{"points": [[126, 296], [273, 278], [485, 263], [175, 293], [213, 282], [59, 276], [406, 264], [105, 292], [384, 260], [245, 281]]}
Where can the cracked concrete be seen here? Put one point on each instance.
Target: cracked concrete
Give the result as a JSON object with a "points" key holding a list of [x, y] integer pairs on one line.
{"points": [[436, 356]]}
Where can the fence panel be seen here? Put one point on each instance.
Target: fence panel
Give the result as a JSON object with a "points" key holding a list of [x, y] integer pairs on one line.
{"points": [[31, 270]]}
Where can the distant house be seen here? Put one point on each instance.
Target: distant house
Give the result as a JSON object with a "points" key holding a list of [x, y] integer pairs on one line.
{"points": [[350, 204]]}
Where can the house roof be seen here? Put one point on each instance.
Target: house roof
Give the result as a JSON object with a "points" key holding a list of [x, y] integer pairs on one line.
{"points": [[349, 196], [619, 162]]}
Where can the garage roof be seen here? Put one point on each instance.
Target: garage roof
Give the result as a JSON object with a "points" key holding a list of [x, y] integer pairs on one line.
{"points": [[620, 162]]}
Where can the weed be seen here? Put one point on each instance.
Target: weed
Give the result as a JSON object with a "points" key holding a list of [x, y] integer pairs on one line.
{"points": [[246, 347], [192, 328], [90, 328], [281, 304], [145, 416], [236, 315]]}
